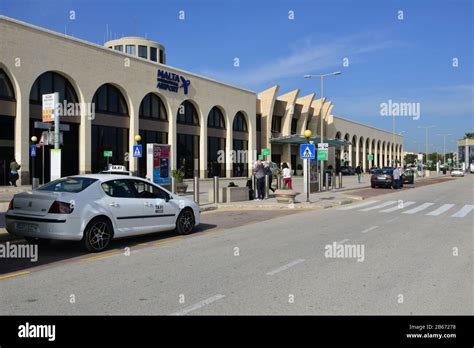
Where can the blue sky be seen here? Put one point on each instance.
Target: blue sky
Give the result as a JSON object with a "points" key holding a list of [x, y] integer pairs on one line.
{"points": [[407, 60]]}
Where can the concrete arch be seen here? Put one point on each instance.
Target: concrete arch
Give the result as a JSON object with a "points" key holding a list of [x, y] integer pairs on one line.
{"points": [[338, 135], [224, 115], [201, 119], [130, 107], [11, 79], [163, 99]]}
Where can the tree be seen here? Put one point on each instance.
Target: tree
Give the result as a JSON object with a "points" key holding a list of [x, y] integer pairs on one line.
{"points": [[469, 136]]}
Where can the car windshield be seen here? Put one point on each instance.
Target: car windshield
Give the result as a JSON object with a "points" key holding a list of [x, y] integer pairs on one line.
{"points": [[384, 171], [74, 185]]}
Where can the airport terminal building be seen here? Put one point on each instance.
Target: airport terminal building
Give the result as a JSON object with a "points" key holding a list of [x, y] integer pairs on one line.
{"points": [[133, 91]]}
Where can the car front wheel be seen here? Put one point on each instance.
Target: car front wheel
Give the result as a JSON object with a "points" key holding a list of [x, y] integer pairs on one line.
{"points": [[97, 235], [185, 222]]}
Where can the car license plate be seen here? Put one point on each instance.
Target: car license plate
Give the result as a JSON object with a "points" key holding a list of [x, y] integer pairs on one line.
{"points": [[21, 226], [381, 178]]}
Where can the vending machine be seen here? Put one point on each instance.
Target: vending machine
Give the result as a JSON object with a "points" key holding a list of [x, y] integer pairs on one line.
{"points": [[158, 164]]}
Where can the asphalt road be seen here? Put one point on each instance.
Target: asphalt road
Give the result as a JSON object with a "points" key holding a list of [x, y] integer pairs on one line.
{"points": [[279, 266]]}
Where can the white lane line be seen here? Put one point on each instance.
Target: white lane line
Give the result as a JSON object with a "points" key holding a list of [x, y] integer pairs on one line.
{"points": [[419, 208], [403, 206], [464, 211], [441, 210], [392, 220], [382, 205], [360, 205], [285, 267], [199, 304], [342, 241], [369, 229]]}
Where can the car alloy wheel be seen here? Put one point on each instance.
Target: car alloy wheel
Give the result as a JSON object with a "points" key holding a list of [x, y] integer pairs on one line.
{"points": [[97, 235], [185, 222]]}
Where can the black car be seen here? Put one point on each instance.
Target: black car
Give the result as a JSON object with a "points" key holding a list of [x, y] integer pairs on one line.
{"points": [[384, 178], [408, 177], [347, 170], [373, 169]]}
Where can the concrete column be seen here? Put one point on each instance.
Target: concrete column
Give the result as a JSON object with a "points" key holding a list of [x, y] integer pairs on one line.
{"points": [[376, 160], [172, 137], [286, 153], [228, 150], [357, 159], [85, 140], [370, 163], [385, 154], [203, 150], [22, 134], [364, 156], [350, 155], [134, 130], [390, 157]]}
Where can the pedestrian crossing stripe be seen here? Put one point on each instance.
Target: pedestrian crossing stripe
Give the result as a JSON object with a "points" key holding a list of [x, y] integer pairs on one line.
{"points": [[372, 205]]}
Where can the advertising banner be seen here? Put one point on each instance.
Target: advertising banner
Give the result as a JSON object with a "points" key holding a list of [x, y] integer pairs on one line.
{"points": [[158, 163]]}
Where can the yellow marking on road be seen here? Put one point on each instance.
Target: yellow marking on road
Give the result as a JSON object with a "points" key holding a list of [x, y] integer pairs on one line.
{"points": [[98, 257], [168, 241], [11, 275]]}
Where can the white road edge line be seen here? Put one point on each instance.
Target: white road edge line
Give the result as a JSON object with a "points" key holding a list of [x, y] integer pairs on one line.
{"points": [[199, 304], [369, 229], [285, 267]]}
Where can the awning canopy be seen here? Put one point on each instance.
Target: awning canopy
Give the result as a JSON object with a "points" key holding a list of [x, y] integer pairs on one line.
{"points": [[300, 139]]}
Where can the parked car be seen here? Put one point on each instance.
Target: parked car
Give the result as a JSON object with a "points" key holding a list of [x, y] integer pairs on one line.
{"points": [[373, 169], [471, 168], [347, 170], [457, 172], [96, 208], [408, 177]]}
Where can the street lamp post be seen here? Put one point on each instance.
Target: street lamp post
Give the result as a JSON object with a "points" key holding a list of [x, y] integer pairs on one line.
{"points": [[426, 139], [307, 134], [322, 76], [138, 138], [33, 139], [444, 145]]}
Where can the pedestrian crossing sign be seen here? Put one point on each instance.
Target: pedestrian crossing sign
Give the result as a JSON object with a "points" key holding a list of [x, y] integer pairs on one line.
{"points": [[307, 151], [137, 151]]}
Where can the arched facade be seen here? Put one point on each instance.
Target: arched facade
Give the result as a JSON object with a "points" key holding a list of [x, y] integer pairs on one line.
{"points": [[240, 144], [216, 142]]}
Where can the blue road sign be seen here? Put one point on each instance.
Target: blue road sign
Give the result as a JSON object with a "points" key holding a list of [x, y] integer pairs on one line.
{"points": [[137, 151], [33, 150], [307, 151]]}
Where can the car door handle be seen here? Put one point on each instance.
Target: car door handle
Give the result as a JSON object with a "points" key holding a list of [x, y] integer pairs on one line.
{"points": [[147, 204], [114, 204]]}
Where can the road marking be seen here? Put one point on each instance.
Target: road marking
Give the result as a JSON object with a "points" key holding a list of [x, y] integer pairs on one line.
{"points": [[369, 229], [419, 208], [11, 275], [200, 304], [464, 211], [392, 220], [441, 210], [102, 256], [285, 267], [403, 206], [360, 205], [382, 205], [342, 241], [167, 241]]}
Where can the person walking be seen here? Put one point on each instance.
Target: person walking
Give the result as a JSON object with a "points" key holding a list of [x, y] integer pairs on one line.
{"points": [[396, 178], [259, 172], [359, 172], [14, 168], [268, 172], [287, 176]]}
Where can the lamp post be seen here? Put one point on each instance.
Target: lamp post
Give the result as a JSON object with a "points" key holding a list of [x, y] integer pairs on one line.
{"points": [[307, 134], [444, 146], [33, 139], [138, 138], [426, 138], [321, 163]]}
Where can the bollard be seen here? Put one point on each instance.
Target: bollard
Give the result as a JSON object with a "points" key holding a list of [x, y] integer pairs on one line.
{"points": [[196, 189], [267, 186], [254, 183], [279, 179], [340, 179], [173, 185], [326, 184], [216, 189], [333, 180]]}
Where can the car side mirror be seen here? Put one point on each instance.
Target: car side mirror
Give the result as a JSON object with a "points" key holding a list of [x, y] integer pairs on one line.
{"points": [[167, 198]]}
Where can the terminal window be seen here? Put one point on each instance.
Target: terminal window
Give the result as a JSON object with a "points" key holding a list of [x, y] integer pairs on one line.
{"points": [[143, 51], [131, 49], [153, 53], [118, 48]]}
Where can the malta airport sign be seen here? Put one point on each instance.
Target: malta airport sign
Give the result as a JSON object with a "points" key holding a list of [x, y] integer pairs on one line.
{"points": [[172, 82]]}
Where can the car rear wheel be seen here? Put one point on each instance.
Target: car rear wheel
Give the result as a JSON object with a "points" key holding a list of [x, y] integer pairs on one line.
{"points": [[97, 235], [185, 222]]}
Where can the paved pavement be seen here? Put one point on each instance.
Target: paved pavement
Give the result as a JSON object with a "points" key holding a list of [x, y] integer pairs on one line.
{"points": [[417, 259]]}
